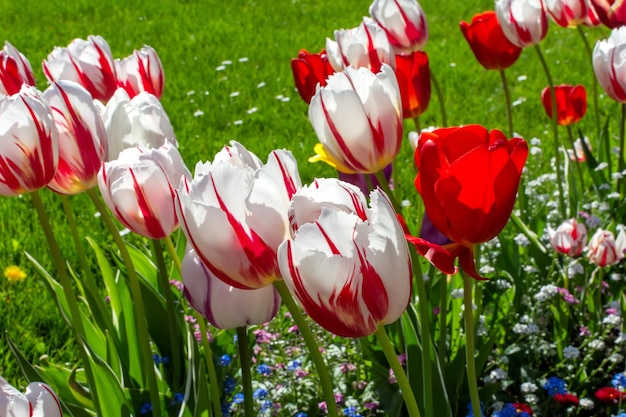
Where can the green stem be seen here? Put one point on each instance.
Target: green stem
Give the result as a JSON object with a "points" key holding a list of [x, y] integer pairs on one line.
{"points": [[594, 79], [403, 381], [166, 289], [443, 313], [59, 262], [382, 182], [507, 97], [620, 163], [468, 314], [578, 167], [442, 105], [140, 310], [555, 131], [208, 354], [418, 128], [246, 377], [427, 352], [314, 350], [173, 254]]}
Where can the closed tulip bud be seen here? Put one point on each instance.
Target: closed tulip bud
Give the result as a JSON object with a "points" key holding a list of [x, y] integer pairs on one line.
{"points": [[568, 13], [87, 62], [612, 13], [358, 120], [603, 250], [234, 213], [141, 71], [609, 63], [404, 22], [225, 307], [569, 238], [365, 46], [39, 400], [15, 70], [571, 103], [29, 145], [492, 49], [350, 273], [309, 70], [139, 188], [140, 121], [82, 137], [413, 74], [578, 153], [524, 22]]}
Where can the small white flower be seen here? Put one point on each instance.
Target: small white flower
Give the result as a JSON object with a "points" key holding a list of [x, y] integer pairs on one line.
{"points": [[528, 387], [234, 94], [575, 269], [238, 122], [612, 320], [535, 142], [220, 68], [198, 113], [521, 78], [546, 292], [252, 110], [571, 352], [244, 59], [596, 344], [521, 240], [530, 269], [503, 284], [531, 399], [616, 358], [586, 403], [601, 166], [458, 293]]}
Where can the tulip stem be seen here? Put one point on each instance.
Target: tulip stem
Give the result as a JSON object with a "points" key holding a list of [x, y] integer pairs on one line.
{"points": [[620, 163], [208, 355], [559, 174], [442, 104], [443, 315], [507, 98], [140, 311], [246, 377], [384, 184], [418, 128], [314, 350], [468, 313], [76, 320], [174, 254], [594, 79], [578, 168], [164, 284], [403, 381]]}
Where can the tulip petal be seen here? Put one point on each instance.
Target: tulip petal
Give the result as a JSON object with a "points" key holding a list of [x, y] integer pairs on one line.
{"points": [[43, 400], [437, 255]]}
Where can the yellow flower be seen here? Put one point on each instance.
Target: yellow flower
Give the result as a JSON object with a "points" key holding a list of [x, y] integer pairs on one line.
{"points": [[14, 273]]}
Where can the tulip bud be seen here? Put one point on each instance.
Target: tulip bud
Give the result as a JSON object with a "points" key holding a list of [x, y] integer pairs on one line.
{"points": [[603, 250], [524, 22], [413, 74], [309, 70], [403, 21], [609, 58], [141, 71], [569, 238], [571, 103], [15, 70], [568, 13]]}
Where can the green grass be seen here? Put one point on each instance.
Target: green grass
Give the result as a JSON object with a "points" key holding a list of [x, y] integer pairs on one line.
{"points": [[193, 38]]}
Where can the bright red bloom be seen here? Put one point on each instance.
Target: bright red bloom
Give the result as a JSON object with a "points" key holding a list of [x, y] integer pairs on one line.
{"points": [[571, 103], [612, 13], [566, 399], [610, 395], [308, 71], [413, 74], [468, 178], [490, 46], [523, 408]]}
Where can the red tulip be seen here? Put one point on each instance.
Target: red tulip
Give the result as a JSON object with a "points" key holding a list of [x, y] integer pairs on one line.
{"points": [[468, 178], [571, 103], [15, 70], [612, 13], [610, 395], [490, 46], [413, 74], [309, 70], [566, 399], [141, 71]]}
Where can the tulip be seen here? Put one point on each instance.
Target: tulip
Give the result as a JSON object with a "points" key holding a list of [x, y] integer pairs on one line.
{"points": [[468, 178], [29, 147], [571, 103], [82, 137], [87, 62], [404, 22], [609, 64], [366, 182], [234, 213], [140, 121], [612, 13], [309, 70], [351, 272], [490, 46], [225, 307], [603, 250], [569, 238], [358, 120], [15, 70], [566, 399], [524, 22], [609, 395], [578, 153], [39, 400], [413, 74], [139, 188], [141, 71], [592, 19], [568, 13], [365, 46]]}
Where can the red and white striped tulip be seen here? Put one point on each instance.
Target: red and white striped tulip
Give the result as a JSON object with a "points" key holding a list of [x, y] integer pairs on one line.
{"points": [[569, 238], [87, 62], [141, 71], [140, 121], [603, 250], [15, 70], [350, 274], [139, 188], [358, 120], [82, 137], [225, 307], [568, 13], [29, 145], [404, 22], [609, 64], [38, 401], [524, 22], [234, 213]]}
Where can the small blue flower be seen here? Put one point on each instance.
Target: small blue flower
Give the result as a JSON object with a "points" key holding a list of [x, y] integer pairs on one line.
{"points": [[619, 381], [238, 398], [259, 394], [235, 338], [294, 364], [555, 386], [351, 412], [267, 405], [156, 358], [509, 410], [229, 385], [470, 412], [145, 409], [226, 409], [224, 360], [622, 414], [264, 370], [300, 414]]}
